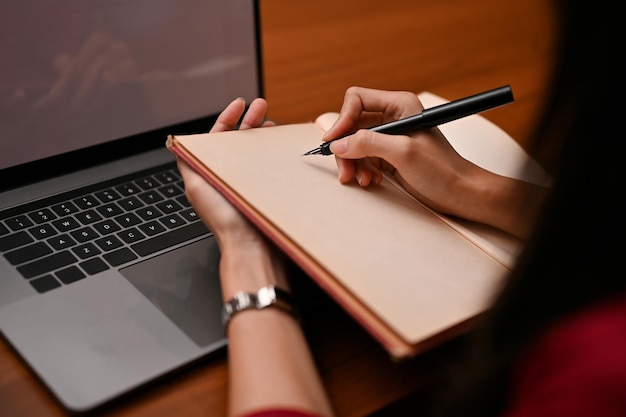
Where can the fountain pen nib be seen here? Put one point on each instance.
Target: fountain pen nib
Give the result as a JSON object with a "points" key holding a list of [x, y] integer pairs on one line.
{"points": [[315, 151]]}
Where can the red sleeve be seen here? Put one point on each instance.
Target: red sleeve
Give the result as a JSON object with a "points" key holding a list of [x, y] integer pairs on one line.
{"points": [[577, 369], [280, 412]]}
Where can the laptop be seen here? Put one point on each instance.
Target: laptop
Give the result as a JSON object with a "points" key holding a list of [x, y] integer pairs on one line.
{"points": [[108, 279]]}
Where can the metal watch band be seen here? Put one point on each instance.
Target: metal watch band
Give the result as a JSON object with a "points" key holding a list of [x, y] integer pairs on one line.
{"points": [[270, 296]]}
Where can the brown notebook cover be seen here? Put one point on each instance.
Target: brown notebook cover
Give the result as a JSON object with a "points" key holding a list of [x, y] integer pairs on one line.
{"points": [[410, 276]]}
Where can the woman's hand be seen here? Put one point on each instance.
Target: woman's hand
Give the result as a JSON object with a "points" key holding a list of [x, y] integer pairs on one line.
{"points": [[425, 164], [237, 238], [219, 215], [269, 361]]}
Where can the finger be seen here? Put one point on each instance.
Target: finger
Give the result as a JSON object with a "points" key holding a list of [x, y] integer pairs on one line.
{"points": [[183, 168], [229, 117], [394, 149], [186, 172], [345, 170], [365, 107], [392, 104], [364, 172], [255, 116], [194, 184], [268, 123]]}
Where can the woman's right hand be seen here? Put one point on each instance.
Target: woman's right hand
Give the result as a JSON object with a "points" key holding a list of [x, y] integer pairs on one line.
{"points": [[425, 164]]}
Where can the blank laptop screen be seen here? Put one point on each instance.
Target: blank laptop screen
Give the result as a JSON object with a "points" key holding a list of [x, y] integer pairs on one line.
{"points": [[76, 73]]}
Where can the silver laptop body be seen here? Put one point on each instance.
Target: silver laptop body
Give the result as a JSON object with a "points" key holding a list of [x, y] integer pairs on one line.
{"points": [[108, 280]]}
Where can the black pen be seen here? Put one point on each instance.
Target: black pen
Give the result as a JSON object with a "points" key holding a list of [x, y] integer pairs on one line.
{"points": [[435, 116]]}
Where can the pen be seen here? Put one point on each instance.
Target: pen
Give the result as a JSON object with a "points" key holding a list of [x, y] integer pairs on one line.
{"points": [[435, 116]]}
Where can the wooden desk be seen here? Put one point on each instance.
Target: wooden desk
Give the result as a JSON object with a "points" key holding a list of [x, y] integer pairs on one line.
{"points": [[313, 51]]}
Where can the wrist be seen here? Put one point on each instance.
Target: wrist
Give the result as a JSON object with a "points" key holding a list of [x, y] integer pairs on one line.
{"points": [[506, 203], [250, 265]]}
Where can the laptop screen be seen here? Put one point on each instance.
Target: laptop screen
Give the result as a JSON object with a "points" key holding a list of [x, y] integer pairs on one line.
{"points": [[85, 81]]}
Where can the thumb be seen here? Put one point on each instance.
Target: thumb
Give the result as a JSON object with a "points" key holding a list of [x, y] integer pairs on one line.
{"points": [[366, 143]]}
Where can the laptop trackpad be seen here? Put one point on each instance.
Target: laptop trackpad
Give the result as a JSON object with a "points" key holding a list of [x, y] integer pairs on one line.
{"points": [[184, 285]]}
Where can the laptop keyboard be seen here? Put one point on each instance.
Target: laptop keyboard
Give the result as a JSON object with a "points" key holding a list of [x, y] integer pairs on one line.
{"points": [[62, 239]]}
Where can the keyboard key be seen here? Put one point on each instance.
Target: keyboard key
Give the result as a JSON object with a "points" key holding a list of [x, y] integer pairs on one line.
{"points": [[109, 243], [171, 190], [130, 203], [149, 213], [47, 264], [15, 240], [167, 177], [152, 228], [120, 256], [61, 242], [42, 231], [86, 202], [45, 283], [84, 234], [190, 215], [69, 275], [28, 253], [94, 266], [109, 210], [172, 221], [107, 196], [128, 189], [107, 226], [88, 217], [147, 183], [183, 201], [86, 251], [42, 216], [128, 220], [151, 197], [131, 235], [3, 229], [66, 224], [170, 239], [64, 209], [19, 222], [168, 207]]}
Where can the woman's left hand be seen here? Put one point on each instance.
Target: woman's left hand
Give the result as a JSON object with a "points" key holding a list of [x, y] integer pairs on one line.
{"points": [[228, 225]]}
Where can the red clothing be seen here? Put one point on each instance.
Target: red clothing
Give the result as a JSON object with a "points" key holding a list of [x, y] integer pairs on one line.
{"points": [[578, 368], [280, 412]]}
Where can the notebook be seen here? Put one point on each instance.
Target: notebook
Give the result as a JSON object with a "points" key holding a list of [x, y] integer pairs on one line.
{"points": [[108, 278], [412, 277]]}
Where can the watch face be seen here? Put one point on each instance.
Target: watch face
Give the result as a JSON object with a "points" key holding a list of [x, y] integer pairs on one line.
{"points": [[240, 301]]}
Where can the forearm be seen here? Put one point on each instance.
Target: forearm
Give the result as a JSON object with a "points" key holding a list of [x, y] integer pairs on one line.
{"points": [[270, 364], [505, 203]]}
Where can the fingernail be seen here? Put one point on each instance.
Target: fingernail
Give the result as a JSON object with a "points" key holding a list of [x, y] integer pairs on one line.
{"points": [[339, 146]]}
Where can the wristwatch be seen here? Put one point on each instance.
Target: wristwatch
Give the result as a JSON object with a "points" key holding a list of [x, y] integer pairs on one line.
{"points": [[270, 296]]}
